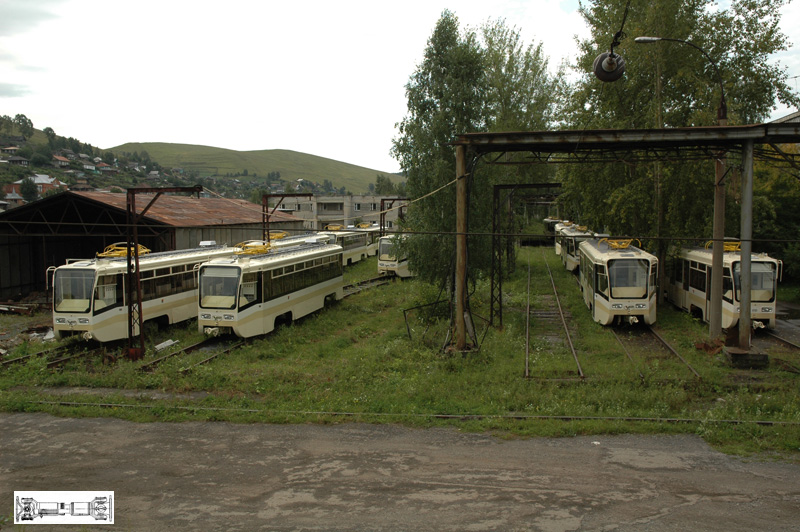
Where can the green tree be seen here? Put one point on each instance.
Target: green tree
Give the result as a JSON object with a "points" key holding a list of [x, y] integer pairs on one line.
{"points": [[466, 83], [384, 186], [6, 124], [24, 125], [445, 98], [668, 84], [28, 190], [51, 136]]}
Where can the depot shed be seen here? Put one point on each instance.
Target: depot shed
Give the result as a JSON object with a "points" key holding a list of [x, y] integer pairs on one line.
{"points": [[75, 225]]}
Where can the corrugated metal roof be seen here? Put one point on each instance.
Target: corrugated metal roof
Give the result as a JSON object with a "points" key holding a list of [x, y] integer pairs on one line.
{"points": [[189, 211], [788, 119]]}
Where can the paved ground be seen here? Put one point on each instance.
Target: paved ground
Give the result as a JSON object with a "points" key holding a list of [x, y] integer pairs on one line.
{"points": [[220, 476]]}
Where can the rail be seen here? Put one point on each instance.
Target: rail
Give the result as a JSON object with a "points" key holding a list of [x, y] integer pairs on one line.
{"points": [[563, 320]]}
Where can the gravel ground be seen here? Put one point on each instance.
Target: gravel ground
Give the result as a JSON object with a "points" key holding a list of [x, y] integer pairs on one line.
{"points": [[222, 476]]}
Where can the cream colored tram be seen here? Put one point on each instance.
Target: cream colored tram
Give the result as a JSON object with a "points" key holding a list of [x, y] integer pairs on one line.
{"points": [[690, 284], [245, 294], [619, 281], [89, 296], [571, 236], [388, 261]]}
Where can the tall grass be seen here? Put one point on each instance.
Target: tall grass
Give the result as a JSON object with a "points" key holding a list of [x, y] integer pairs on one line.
{"points": [[355, 360]]}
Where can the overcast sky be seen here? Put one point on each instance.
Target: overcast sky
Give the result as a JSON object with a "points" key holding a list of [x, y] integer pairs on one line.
{"points": [[320, 77]]}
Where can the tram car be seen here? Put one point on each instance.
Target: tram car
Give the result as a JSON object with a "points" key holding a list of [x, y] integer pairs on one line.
{"points": [[356, 244], [557, 234], [246, 293], [90, 296], [619, 281], [690, 284], [389, 263], [571, 236]]}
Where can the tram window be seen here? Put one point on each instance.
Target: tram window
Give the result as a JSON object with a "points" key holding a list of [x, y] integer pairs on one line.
{"points": [[697, 278], [628, 278], [108, 294], [762, 279], [602, 282], [727, 286], [73, 290], [250, 292]]}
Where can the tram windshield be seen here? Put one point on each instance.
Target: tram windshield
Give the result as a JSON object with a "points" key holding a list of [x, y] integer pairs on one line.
{"points": [[386, 249], [762, 275], [218, 286], [72, 290], [628, 278]]}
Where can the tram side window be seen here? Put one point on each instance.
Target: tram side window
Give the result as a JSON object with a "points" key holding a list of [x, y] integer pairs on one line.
{"points": [[653, 278], [108, 294], [697, 276], [250, 290], [727, 285], [602, 281]]}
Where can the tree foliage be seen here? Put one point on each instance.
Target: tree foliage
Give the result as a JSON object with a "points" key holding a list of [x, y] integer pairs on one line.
{"points": [[669, 84], [468, 81], [28, 190], [24, 126]]}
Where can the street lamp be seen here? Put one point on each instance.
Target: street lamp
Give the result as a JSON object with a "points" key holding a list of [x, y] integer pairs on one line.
{"points": [[715, 314]]}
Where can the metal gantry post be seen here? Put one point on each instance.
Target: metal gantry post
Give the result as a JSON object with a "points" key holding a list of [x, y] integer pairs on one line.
{"points": [[265, 214], [461, 248], [134, 281], [745, 316]]}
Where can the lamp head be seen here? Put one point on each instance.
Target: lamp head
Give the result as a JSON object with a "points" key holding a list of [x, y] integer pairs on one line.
{"points": [[609, 66]]}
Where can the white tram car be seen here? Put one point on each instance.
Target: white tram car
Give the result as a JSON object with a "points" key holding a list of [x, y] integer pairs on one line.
{"points": [[570, 237], [89, 296], [356, 243], [557, 234], [245, 294], [619, 281], [690, 284], [388, 261]]}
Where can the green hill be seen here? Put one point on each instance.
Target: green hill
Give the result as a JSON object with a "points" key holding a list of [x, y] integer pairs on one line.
{"points": [[292, 165]]}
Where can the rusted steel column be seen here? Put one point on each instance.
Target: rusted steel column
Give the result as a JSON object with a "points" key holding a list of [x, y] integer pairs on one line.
{"points": [[745, 315], [461, 247], [715, 311]]}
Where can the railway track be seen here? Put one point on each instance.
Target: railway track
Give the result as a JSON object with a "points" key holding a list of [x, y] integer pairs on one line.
{"points": [[352, 289], [647, 347], [151, 365], [56, 357], [553, 316]]}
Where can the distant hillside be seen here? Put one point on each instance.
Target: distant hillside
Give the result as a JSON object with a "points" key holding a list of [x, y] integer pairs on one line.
{"points": [[292, 165]]}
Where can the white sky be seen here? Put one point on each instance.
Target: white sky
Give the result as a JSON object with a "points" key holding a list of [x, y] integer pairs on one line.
{"points": [[320, 77]]}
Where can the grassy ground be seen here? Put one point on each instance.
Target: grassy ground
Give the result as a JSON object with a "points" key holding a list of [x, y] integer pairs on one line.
{"points": [[355, 361]]}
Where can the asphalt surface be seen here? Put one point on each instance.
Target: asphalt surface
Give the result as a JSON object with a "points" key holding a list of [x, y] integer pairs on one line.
{"points": [[222, 476]]}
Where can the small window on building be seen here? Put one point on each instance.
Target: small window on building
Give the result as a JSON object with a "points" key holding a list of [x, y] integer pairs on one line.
{"points": [[357, 207]]}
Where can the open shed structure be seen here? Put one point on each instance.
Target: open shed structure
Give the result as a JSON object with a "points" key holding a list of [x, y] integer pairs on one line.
{"points": [[74, 225], [623, 145]]}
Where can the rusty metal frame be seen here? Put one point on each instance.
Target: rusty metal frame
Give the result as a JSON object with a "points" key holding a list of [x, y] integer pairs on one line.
{"points": [[265, 214], [134, 284], [384, 208]]}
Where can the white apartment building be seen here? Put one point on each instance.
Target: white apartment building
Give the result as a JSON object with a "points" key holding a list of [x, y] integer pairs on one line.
{"points": [[317, 212]]}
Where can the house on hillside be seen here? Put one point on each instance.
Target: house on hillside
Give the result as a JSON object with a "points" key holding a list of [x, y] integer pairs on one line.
{"points": [[88, 165], [44, 184], [17, 160], [10, 150], [60, 161]]}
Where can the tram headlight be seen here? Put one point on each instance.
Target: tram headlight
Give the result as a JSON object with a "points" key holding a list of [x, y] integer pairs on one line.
{"points": [[766, 309], [228, 317], [61, 320], [641, 305], [205, 316], [616, 305], [83, 321]]}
